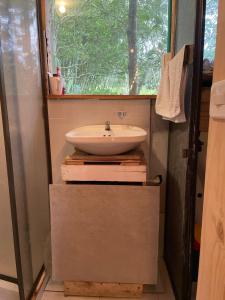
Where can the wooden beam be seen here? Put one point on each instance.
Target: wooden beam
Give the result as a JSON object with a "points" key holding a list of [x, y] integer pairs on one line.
{"points": [[95, 289], [102, 97], [43, 14], [211, 281], [119, 173]]}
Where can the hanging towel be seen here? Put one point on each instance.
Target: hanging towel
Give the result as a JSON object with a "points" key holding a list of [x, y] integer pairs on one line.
{"points": [[181, 118], [170, 99]]}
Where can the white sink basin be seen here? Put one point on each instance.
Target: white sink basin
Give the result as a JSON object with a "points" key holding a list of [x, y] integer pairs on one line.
{"points": [[94, 139]]}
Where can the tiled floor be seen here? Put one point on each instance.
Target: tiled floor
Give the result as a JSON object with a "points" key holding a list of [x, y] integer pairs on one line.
{"points": [[55, 291], [8, 291]]}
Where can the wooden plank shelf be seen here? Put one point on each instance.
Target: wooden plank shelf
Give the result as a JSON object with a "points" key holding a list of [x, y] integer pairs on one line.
{"points": [[128, 167], [79, 157], [102, 97]]}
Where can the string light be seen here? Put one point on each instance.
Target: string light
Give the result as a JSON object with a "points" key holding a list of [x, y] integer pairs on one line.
{"points": [[62, 8], [134, 80]]}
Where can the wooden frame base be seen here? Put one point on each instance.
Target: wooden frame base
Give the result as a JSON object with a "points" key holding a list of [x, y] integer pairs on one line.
{"points": [[128, 167], [101, 289]]}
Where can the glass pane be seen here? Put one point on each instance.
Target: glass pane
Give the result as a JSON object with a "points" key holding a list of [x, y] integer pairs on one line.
{"points": [[109, 47], [210, 29], [7, 255]]}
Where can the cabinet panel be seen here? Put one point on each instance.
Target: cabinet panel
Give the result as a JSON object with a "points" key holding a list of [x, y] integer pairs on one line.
{"points": [[105, 233]]}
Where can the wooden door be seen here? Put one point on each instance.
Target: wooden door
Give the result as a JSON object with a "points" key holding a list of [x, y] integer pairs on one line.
{"points": [[211, 283]]}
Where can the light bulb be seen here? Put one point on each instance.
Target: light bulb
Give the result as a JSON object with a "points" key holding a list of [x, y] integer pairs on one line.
{"points": [[62, 8]]}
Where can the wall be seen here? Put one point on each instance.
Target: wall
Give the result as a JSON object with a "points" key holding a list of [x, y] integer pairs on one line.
{"points": [[211, 284], [185, 23], [7, 255], [64, 115]]}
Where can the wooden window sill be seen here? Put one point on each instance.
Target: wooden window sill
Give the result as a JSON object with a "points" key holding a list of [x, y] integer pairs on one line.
{"points": [[101, 97]]}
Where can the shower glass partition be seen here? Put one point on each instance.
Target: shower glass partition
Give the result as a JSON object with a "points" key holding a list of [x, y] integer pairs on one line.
{"points": [[25, 139], [7, 253]]}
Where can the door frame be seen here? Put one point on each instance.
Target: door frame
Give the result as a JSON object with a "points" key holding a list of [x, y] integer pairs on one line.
{"points": [[194, 133], [183, 290]]}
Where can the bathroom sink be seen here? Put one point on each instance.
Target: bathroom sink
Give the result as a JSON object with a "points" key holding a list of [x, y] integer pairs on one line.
{"points": [[117, 139]]}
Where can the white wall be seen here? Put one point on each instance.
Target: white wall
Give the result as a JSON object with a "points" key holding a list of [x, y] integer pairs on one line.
{"points": [[64, 115]]}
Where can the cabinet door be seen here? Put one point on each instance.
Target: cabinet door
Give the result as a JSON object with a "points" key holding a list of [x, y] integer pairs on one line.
{"points": [[105, 233]]}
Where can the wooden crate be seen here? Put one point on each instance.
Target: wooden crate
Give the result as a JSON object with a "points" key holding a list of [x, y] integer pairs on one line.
{"points": [[128, 167]]}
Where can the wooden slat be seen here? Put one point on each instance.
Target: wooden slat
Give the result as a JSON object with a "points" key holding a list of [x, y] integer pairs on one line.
{"points": [[131, 155], [94, 289], [173, 26], [79, 157], [126, 162], [102, 97], [120, 173], [73, 162]]}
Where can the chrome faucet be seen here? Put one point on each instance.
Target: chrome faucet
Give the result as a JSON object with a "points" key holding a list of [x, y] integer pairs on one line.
{"points": [[107, 126]]}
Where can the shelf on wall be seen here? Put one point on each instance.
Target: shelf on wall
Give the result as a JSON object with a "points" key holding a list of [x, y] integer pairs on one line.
{"points": [[101, 97]]}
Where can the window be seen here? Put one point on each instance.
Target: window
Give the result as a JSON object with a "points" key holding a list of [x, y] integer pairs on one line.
{"points": [[210, 29], [109, 47]]}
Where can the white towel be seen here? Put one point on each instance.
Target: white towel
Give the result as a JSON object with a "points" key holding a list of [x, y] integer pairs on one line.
{"points": [[170, 99]]}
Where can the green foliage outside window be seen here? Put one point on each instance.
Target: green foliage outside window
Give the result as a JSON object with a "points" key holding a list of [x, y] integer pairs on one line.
{"points": [[210, 29], [109, 46]]}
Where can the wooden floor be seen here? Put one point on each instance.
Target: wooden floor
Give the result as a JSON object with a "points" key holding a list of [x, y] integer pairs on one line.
{"points": [[55, 291]]}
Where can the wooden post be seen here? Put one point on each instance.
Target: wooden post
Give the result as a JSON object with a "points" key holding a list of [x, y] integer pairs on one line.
{"points": [[211, 282], [173, 26]]}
